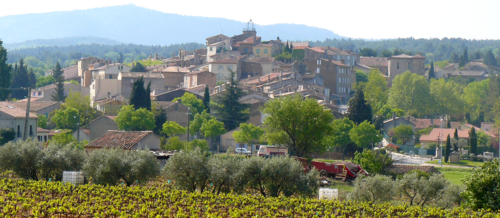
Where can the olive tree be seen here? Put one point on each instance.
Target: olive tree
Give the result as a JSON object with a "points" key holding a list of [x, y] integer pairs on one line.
{"points": [[378, 188], [422, 189], [222, 172], [109, 166], [57, 159], [188, 169]]}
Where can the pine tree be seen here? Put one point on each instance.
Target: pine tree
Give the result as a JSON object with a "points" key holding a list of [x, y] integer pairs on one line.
{"points": [[477, 55], [461, 61], [57, 71], [5, 74], [473, 141], [359, 109], [137, 96], [20, 81], [147, 97], [489, 58], [228, 108], [466, 56], [447, 150], [454, 58], [291, 48], [206, 99], [431, 71], [31, 78], [58, 94]]}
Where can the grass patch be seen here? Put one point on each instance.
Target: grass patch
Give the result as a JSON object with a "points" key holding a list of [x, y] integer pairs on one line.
{"points": [[463, 163], [454, 175]]}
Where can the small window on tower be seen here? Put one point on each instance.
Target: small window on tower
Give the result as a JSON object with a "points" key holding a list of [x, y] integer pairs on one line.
{"points": [[397, 65]]}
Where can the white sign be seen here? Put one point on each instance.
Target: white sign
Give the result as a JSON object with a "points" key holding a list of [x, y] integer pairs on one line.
{"points": [[328, 193]]}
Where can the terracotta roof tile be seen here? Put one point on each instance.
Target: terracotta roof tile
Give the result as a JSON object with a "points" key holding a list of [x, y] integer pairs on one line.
{"points": [[34, 105], [436, 133], [13, 110], [374, 61], [424, 123], [119, 139], [40, 130]]}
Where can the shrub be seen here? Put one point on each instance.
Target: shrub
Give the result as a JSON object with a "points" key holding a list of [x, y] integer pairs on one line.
{"points": [[420, 189], [481, 187], [223, 169], [378, 188], [7, 135], [57, 159], [431, 146], [109, 166], [372, 162], [188, 170]]}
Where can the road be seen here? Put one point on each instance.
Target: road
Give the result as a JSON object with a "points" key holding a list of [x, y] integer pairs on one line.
{"points": [[406, 159]]}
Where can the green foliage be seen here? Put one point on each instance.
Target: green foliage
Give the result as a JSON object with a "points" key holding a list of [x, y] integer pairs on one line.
{"points": [[367, 52], [474, 95], [20, 80], [171, 128], [365, 135], [431, 71], [300, 124], [212, 128], [359, 109], [138, 67], [372, 161], [377, 189], [45, 81], [386, 111], [376, 90], [66, 119], [482, 138], [160, 118], [403, 132], [65, 138], [7, 135], [442, 64], [227, 106], [447, 149], [339, 136], [481, 187], [361, 77], [5, 74], [420, 189], [174, 143], [410, 92], [188, 170], [198, 121], [82, 103], [109, 166], [140, 97], [42, 121], [28, 160], [489, 58], [190, 100], [248, 133], [223, 171], [135, 120], [206, 99], [473, 141], [446, 96]]}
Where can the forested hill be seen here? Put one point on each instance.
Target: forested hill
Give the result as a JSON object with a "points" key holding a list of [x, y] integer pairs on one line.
{"points": [[432, 49], [132, 24], [61, 42]]}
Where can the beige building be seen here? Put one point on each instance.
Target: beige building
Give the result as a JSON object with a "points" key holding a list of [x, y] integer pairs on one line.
{"points": [[265, 50], [402, 63], [101, 125], [127, 140], [222, 68], [45, 93], [14, 117], [197, 78], [174, 76], [127, 82], [39, 107], [109, 71], [42, 135]]}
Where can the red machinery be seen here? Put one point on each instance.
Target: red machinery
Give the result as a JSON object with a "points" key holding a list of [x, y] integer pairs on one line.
{"points": [[342, 171]]}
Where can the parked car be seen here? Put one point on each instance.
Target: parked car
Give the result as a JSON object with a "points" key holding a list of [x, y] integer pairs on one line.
{"points": [[242, 151]]}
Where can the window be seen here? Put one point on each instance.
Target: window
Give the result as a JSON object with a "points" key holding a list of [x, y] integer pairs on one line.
{"points": [[258, 51], [31, 130], [111, 76], [348, 90], [318, 62], [220, 68], [246, 50], [175, 107], [409, 66], [317, 70], [45, 138], [211, 48], [265, 51], [18, 131], [397, 65]]}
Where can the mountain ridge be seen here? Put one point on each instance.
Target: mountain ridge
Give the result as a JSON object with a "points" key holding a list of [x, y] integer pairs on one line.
{"points": [[133, 24]]}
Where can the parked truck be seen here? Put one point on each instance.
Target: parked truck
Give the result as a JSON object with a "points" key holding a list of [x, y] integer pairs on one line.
{"points": [[343, 171], [269, 151]]}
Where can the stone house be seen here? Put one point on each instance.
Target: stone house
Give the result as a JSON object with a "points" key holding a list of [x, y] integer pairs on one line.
{"points": [[42, 135], [265, 50], [193, 79], [246, 46], [101, 125], [313, 78], [376, 63], [45, 93], [395, 122], [84, 134], [14, 117], [227, 140], [348, 58], [256, 66], [174, 76], [338, 77], [157, 81], [110, 71], [223, 67], [402, 63], [127, 140], [255, 102], [39, 107], [175, 111], [435, 136]]}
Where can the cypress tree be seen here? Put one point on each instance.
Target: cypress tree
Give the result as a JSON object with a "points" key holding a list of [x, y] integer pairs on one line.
{"points": [[461, 61], [455, 136], [431, 71], [477, 55], [20, 80], [473, 141], [31, 78], [291, 48], [57, 71], [206, 99], [448, 124], [5, 73], [359, 109], [137, 96], [489, 58], [147, 97], [466, 56], [58, 94], [228, 108], [447, 150]]}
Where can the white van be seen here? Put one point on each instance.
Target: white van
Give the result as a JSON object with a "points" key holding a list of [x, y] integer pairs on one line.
{"points": [[268, 151]]}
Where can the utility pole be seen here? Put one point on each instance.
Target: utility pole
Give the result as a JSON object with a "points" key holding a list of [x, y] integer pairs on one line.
{"points": [[188, 113], [27, 115], [78, 128]]}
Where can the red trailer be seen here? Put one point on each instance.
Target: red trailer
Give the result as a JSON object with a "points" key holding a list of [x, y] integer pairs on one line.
{"points": [[344, 171]]}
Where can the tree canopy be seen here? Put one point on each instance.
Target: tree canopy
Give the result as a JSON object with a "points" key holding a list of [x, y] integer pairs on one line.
{"points": [[227, 106], [365, 135], [410, 92], [5, 73], [135, 120], [359, 109], [140, 96]]}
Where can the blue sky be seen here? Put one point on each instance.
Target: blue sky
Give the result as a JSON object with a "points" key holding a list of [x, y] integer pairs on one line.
{"points": [[375, 19]]}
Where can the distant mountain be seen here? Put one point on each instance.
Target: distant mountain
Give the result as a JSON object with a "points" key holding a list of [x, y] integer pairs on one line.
{"points": [[132, 24], [61, 42]]}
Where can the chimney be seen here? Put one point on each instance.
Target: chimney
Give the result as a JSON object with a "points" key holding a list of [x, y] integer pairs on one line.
{"points": [[132, 64]]}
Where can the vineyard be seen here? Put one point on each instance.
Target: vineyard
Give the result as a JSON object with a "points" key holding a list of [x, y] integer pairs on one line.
{"points": [[27, 198]]}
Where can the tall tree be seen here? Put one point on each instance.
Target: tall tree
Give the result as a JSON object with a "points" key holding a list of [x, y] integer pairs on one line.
{"points": [[31, 78], [410, 92], [375, 90], [300, 124], [138, 67], [20, 80], [57, 71], [477, 55], [447, 149], [58, 94], [454, 58], [473, 141], [466, 56], [135, 120], [431, 71], [228, 108], [359, 109], [147, 97], [5, 74], [461, 61], [489, 58], [446, 96], [139, 97], [206, 99], [365, 135]]}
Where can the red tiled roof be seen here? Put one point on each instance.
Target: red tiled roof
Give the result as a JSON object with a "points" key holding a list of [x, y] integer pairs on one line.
{"points": [[86, 131], [300, 47], [248, 40], [436, 132], [407, 56], [317, 49], [402, 169], [374, 61], [34, 105], [13, 110], [40, 130], [424, 123], [119, 139]]}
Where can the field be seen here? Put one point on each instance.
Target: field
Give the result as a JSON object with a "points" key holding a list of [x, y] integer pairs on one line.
{"points": [[27, 198], [453, 174], [463, 163]]}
